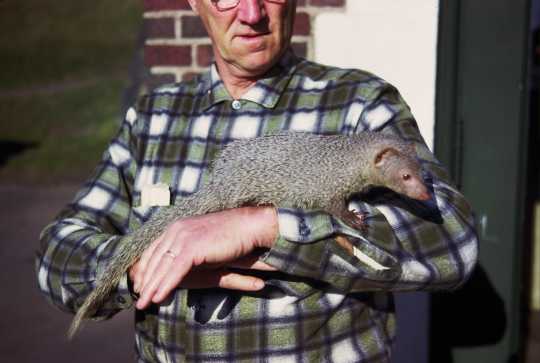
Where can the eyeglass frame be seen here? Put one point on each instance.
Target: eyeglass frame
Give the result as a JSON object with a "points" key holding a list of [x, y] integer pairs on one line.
{"points": [[216, 2]]}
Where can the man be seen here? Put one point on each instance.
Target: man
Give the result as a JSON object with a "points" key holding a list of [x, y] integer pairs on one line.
{"points": [[319, 292]]}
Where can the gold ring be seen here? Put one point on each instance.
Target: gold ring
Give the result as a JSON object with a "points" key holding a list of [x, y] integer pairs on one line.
{"points": [[171, 254]]}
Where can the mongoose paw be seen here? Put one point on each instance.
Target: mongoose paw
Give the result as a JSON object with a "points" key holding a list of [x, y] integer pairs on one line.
{"points": [[356, 219]]}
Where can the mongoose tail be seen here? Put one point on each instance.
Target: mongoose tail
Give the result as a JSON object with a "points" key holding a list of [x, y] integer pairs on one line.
{"points": [[131, 248], [107, 281]]}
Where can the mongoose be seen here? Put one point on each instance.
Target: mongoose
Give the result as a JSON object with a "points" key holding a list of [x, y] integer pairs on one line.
{"points": [[288, 169]]}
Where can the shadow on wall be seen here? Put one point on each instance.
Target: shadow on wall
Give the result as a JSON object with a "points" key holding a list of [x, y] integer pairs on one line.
{"points": [[469, 317]]}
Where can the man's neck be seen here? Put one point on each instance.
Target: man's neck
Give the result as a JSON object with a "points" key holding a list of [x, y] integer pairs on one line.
{"points": [[237, 86], [236, 81]]}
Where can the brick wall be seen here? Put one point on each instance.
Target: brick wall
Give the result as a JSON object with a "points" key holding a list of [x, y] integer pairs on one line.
{"points": [[177, 46]]}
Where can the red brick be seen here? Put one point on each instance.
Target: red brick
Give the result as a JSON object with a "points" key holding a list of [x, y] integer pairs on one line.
{"points": [[300, 49], [302, 24], [192, 27], [321, 3], [167, 55], [159, 28], [205, 55], [155, 5]]}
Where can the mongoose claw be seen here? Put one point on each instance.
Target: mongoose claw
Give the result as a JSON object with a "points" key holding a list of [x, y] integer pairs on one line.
{"points": [[356, 219]]}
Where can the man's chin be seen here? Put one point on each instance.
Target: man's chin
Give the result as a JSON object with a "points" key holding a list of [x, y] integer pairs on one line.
{"points": [[256, 64]]}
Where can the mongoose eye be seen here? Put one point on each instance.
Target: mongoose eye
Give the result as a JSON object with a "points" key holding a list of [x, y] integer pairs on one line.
{"points": [[406, 176]]}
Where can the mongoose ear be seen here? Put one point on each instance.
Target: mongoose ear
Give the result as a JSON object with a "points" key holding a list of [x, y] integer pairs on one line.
{"points": [[383, 155]]}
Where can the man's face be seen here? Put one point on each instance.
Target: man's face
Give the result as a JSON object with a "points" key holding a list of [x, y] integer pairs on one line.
{"points": [[250, 38]]}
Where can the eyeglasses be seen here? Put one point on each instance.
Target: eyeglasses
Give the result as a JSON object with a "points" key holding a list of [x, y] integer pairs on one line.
{"points": [[223, 5]]}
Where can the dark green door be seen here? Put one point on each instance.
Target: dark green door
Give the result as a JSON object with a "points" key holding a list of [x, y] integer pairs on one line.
{"points": [[481, 134]]}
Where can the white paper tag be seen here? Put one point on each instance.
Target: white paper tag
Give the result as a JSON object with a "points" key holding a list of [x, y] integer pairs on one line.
{"points": [[155, 195]]}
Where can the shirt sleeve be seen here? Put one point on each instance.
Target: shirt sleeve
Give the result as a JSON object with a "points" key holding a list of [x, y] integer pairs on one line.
{"points": [[77, 246], [407, 245]]}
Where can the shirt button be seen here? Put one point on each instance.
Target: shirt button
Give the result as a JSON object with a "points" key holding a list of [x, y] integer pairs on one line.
{"points": [[236, 105]]}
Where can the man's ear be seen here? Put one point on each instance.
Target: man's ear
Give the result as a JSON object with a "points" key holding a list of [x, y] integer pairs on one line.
{"points": [[194, 6], [382, 156]]}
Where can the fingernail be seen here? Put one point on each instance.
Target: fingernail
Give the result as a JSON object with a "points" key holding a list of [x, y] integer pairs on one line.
{"points": [[258, 284], [141, 302]]}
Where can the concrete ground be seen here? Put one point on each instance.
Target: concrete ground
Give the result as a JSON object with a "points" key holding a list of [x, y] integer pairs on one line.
{"points": [[31, 329]]}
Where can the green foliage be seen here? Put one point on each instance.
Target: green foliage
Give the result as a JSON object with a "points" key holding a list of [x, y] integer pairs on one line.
{"points": [[45, 41], [63, 68], [66, 132]]}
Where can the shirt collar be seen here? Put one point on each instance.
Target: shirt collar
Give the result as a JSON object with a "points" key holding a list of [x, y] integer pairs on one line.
{"points": [[265, 92]]}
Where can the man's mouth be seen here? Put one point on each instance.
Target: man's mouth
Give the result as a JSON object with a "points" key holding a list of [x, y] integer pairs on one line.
{"points": [[251, 35]]}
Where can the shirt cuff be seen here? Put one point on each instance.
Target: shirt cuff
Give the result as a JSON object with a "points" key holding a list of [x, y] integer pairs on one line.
{"points": [[306, 239], [305, 226], [122, 298]]}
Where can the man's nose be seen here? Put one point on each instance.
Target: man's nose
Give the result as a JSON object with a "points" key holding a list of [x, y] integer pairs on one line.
{"points": [[251, 11]]}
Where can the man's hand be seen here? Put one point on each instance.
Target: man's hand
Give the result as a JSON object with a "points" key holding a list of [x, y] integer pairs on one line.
{"points": [[208, 276], [176, 258]]}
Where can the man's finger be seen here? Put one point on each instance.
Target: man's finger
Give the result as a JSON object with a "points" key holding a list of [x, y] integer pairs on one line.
{"points": [[154, 281], [155, 259], [142, 264], [203, 279], [170, 280], [251, 262], [234, 281]]}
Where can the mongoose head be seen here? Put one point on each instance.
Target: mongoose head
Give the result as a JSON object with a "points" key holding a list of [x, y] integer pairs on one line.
{"points": [[397, 168]]}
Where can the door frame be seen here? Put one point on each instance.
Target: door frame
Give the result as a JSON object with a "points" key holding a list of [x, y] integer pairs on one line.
{"points": [[452, 146]]}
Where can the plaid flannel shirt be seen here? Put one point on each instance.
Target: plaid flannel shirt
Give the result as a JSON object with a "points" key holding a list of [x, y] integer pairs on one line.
{"points": [[324, 303]]}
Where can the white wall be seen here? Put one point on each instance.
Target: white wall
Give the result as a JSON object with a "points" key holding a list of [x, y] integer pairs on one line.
{"points": [[395, 39]]}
